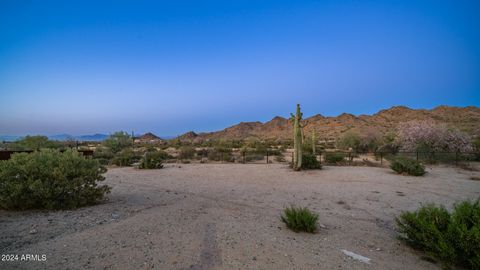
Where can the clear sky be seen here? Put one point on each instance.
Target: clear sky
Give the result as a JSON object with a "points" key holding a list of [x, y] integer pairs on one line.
{"points": [[83, 67]]}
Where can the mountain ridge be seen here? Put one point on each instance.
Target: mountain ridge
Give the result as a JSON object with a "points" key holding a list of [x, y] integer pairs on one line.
{"points": [[466, 119]]}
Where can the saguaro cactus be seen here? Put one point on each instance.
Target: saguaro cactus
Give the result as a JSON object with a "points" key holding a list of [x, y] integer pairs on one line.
{"points": [[297, 139], [314, 142]]}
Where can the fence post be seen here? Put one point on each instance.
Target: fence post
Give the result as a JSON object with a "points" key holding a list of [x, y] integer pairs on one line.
{"points": [[417, 156], [244, 157], [267, 156], [456, 158], [381, 158]]}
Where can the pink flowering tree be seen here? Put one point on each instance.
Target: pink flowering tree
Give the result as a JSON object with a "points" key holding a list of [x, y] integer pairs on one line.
{"points": [[428, 136]]}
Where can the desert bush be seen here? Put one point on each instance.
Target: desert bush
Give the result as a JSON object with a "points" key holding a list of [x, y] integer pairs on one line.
{"points": [[126, 157], [408, 166], [201, 153], [349, 140], [253, 157], [49, 179], [310, 162], [300, 219], [118, 141], [153, 160], [35, 143], [334, 158], [220, 154], [452, 238], [279, 158], [103, 155], [186, 152]]}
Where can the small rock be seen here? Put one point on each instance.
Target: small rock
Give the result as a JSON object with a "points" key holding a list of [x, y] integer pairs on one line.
{"points": [[254, 258], [322, 226], [115, 216], [33, 231]]}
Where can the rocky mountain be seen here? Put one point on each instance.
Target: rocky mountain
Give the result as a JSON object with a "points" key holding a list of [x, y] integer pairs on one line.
{"points": [[466, 119], [148, 138]]}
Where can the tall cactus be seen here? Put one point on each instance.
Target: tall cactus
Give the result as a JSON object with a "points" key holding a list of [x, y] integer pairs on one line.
{"points": [[314, 142], [297, 139]]}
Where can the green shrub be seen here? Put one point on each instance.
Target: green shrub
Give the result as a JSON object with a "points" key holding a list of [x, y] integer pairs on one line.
{"points": [[279, 158], [153, 160], [334, 158], [220, 154], [103, 155], [49, 179], [186, 152], [452, 238], [118, 141], [300, 219], [310, 162], [126, 157], [408, 166], [253, 157], [35, 143]]}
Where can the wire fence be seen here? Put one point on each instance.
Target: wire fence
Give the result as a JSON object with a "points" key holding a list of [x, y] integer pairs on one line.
{"points": [[332, 157]]}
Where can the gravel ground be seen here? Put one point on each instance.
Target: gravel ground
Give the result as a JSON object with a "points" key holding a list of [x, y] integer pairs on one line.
{"points": [[226, 216]]}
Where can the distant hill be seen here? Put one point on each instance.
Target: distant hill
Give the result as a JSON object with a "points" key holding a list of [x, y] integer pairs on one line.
{"points": [[90, 138], [466, 119], [61, 137], [9, 138]]}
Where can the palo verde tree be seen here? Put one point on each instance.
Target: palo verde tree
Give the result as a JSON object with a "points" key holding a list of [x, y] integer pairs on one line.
{"points": [[118, 141]]}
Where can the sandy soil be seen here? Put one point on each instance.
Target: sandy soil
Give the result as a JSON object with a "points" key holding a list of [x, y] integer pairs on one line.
{"points": [[226, 216]]}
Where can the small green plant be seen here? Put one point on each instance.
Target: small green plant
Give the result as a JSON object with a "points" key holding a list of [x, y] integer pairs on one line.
{"points": [[405, 165], [153, 160], [186, 152], [279, 158], [126, 157], [334, 158], [220, 154], [49, 179], [310, 162], [300, 219], [103, 155], [118, 141], [453, 238]]}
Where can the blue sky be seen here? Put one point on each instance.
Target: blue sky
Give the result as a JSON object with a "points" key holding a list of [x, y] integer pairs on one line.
{"points": [[172, 66]]}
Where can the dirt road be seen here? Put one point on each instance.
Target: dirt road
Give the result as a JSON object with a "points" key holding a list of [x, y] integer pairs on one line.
{"points": [[226, 216]]}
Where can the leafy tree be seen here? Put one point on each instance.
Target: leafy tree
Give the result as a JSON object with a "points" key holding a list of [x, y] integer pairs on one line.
{"points": [[427, 136], [350, 140], [35, 143], [118, 141]]}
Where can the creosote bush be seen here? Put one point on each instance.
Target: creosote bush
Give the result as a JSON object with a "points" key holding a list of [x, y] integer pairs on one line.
{"points": [[186, 152], [310, 162], [405, 165], [153, 160], [49, 179], [334, 158], [453, 238], [300, 219], [220, 154], [126, 157]]}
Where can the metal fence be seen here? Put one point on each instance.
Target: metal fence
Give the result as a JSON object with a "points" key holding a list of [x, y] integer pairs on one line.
{"points": [[343, 157], [7, 154]]}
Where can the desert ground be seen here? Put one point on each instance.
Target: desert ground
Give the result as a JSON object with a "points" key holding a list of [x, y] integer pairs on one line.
{"points": [[227, 216]]}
